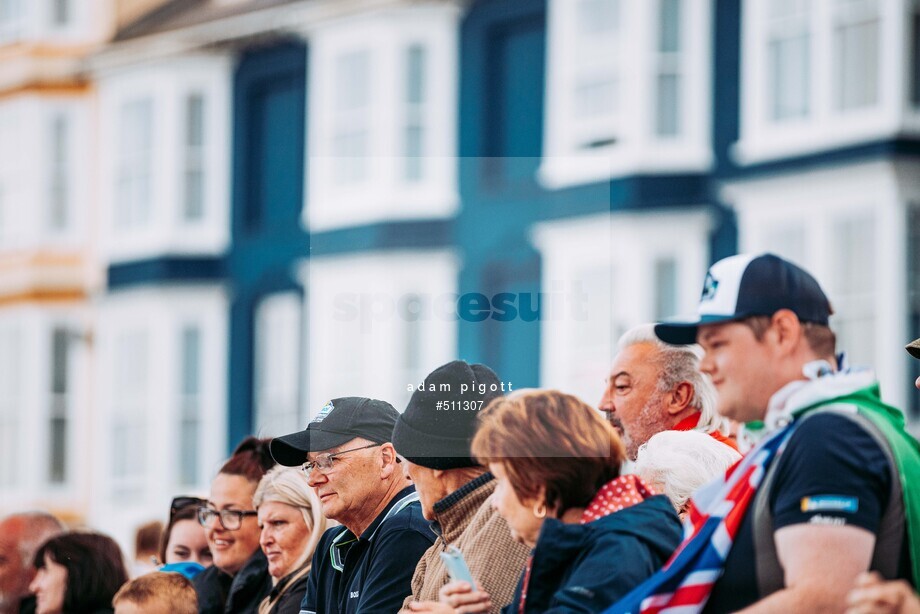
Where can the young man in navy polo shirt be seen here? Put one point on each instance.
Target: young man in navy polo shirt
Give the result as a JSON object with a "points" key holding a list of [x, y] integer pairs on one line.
{"points": [[830, 503], [365, 565]]}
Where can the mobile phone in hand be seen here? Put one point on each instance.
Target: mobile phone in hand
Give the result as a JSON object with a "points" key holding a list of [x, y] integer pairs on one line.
{"points": [[456, 566]]}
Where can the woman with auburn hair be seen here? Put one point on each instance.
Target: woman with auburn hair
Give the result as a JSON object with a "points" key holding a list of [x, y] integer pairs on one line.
{"points": [[292, 521], [594, 534], [238, 580]]}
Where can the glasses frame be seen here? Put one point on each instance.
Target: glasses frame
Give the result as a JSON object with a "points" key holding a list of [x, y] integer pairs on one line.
{"points": [[323, 462], [205, 514]]}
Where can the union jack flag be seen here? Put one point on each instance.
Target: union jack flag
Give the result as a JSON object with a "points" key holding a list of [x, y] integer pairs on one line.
{"points": [[716, 511]]}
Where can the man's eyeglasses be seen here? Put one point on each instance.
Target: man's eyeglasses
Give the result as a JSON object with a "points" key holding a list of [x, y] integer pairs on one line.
{"points": [[324, 461], [182, 502], [230, 520]]}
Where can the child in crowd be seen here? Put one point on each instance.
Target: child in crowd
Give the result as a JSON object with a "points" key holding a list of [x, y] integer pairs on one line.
{"points": [[157, 593]]}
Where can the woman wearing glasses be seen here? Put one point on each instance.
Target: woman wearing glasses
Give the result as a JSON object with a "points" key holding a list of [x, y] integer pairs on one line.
{"points": [[239, 579], [292, 521]]}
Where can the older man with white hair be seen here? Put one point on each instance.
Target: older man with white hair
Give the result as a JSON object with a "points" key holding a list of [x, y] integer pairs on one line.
{"points": [[655, 387]]}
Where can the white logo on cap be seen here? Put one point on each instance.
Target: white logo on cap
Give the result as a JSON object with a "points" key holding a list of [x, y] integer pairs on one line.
{"points": [[328, 407], [710, 285]]}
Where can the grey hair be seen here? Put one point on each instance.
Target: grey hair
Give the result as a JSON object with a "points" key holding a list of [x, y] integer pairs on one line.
{"points": [[677, 463], [289, 485], [680, 363]]}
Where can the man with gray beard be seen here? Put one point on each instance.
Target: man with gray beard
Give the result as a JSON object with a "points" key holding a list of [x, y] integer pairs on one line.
{"points": [[20, 537], [655, 387]]}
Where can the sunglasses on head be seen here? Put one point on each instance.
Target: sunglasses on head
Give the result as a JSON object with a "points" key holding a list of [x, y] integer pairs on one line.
{"points": [[182, 502]]}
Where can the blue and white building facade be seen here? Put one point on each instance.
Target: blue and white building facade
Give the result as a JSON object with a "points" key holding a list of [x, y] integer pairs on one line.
{"points": [[295, 200]]}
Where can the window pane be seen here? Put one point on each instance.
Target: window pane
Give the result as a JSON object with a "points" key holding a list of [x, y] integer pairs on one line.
{"points": [[856, 51], [665, 288], [60, 12], [789, 77], [129, 396], [132, 207], [59, 185], [194, 153], [667, 117], [415, 110], [58, 415], [190, 405], [669, 26], [277, 368], [352, 80], [415, 75], [853, 286], [915, 60], [414, 135]]}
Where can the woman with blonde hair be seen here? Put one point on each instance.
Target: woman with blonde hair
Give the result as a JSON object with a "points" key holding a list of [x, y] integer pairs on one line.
{"points": [[292, 522]]}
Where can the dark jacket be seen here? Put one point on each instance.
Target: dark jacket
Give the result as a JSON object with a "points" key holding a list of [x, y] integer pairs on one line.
{"points": [[292, 593], [587, 567], [219, 593]]}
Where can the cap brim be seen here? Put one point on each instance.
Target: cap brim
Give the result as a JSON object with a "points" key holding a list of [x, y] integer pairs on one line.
{"points": [[291, 450], [913, 348], [684, 333]]}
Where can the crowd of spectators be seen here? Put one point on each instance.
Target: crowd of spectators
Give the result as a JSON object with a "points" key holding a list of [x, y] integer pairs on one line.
{"points": [[793, 481]]}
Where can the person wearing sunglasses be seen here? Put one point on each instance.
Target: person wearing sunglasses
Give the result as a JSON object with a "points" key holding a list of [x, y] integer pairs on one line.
{"points": [[184, 547], [366, 565], [239, 579]]}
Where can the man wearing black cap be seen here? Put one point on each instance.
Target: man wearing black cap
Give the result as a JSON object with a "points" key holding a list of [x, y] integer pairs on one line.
{"points": [[365, 565], [454, 489], [819, 499]]}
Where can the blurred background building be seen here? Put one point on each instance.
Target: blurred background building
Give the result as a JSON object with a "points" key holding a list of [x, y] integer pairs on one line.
{"points": [[215, 215]]}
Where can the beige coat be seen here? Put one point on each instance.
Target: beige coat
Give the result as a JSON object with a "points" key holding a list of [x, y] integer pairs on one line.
{"points": [[469, 522]]}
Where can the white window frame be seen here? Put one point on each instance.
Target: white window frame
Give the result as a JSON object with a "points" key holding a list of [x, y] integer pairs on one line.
{"points": [[161, 314], [816, 200], [384, 192], [638, 146], [169, 84], [826, 126], [608, 260]]}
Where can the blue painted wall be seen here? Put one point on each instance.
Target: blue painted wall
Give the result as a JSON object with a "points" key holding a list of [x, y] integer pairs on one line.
{"points": [[269, 132], [502, 83]]}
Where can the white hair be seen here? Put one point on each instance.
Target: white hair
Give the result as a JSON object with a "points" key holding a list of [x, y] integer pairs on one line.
{"points": [[680, 363], [676, 463], [289, 485]]}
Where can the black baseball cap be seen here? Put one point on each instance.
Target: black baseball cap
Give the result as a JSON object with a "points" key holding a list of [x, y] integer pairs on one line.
{"points": [[339, 421], [749, 285], [914, 348]]}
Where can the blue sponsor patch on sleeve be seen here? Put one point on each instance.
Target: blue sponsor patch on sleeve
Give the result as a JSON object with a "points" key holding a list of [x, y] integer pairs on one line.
{"points": [[830, 503]]}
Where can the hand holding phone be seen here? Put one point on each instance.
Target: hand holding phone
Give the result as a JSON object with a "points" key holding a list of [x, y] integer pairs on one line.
{"points": [[456, 566]]}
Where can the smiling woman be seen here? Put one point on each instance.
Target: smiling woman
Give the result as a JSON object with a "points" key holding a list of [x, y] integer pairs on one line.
{"points": [[239, 579], [291, 519]]}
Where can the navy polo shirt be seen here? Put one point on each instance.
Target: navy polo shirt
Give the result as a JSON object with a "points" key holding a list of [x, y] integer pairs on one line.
{"points": [[371, 573], [831, 472]]}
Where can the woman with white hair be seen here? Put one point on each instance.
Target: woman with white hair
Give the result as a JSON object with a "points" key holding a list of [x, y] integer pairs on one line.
{"points": [[292, 521], [677, 463]]}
